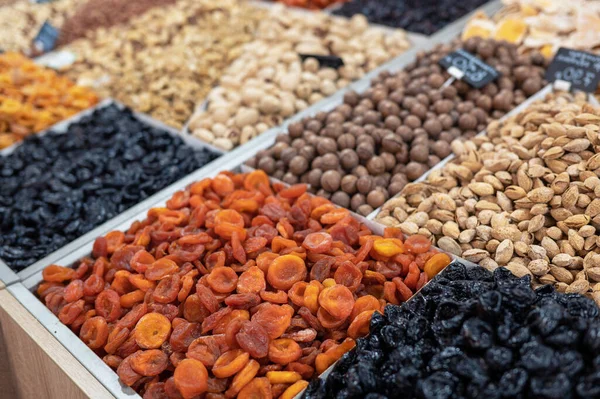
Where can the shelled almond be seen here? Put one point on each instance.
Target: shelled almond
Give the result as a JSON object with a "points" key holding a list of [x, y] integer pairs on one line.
{"points": [[525, 196]]}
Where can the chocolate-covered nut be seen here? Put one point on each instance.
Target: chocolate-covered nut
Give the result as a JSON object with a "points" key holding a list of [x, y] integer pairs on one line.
{"points": [[349, 159], [365, 151], [360, 171], [414, 170], [364, 184], [290, 178], [351, 98], [317, 163], [287, 154], [314, 125], [441, 148], [433, 127], [375, 199], [326, 145], [267, 164], [376, 165], [298, 165], [330, 162], [419, 153], [391, 143], [331, 180], [278, 149], [389, 160], [298, 143], [357, 200], [341, 198], [364, 209], [532, 85], [295, 129], [412, 121], [392, 122], [467, 122], [406, 133], [346, 140], [309, 152], [433, 160], [314, 178], [349, 184]]}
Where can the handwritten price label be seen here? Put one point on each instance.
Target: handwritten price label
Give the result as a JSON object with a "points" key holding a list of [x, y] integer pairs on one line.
{"points": [[579, 68], [467, 67]]}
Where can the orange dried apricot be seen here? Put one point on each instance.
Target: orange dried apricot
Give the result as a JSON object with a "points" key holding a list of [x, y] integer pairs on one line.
{"points": [[251, 281], [150, 362], [191, 378], [294, 389], [242, 378], [152, 330], [222, 279], [338, 301], [286, 270], [257, 388], [319, 242], [436, 264], [108, 305], [283, 377], [57, 274], [94, 332], [126, 373], [205, 350], [417, 244], [230, 363], [284, 351], [359, 327]]}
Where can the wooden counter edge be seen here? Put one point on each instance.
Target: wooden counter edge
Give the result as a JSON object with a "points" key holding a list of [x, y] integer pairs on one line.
{"points": [[40, 366]]}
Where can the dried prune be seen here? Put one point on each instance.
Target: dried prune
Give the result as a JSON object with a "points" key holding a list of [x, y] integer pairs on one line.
{"points": [[102, 165]]}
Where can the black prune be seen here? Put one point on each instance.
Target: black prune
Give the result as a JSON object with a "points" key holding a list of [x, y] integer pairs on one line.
{"points": [[439, 385], [513, 382]]}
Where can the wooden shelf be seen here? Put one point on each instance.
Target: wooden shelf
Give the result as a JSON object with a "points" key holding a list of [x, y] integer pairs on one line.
{"points": [[33, 364]]}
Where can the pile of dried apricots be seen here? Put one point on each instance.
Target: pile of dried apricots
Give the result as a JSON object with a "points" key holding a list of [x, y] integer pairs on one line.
{"points": [[33, 98], [237, 288]]}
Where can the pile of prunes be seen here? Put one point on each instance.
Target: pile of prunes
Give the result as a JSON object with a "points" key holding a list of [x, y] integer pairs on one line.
{"points": [[471, 333], [57, 187]]}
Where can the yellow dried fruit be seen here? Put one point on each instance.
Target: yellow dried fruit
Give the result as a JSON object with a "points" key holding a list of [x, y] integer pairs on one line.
{"points": [[512, 30]]}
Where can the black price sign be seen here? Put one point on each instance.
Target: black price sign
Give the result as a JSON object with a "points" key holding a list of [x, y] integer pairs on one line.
{"points": [[325, 60], [46, 38], [580, 69], [465, 66]]}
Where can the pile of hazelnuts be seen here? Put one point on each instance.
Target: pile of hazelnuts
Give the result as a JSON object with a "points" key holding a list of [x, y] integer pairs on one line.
{"points": [[368, 148]]}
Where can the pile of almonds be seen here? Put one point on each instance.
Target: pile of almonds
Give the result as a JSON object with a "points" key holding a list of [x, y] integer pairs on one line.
{"points": [[525, 196], [269, 82], [164, 60]]}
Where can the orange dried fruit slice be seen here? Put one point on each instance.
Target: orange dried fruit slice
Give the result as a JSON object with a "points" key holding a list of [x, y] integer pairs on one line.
{"points": [[152, 330]]}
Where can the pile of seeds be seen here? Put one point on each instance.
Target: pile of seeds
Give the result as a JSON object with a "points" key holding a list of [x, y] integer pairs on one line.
{"points": [[269, 82], [422, 16], [473, 334], [236, 287], [367, 149], [57, 187], [525, 196], [164, 70]]}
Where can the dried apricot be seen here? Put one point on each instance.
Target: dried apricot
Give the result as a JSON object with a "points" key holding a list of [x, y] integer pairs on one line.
{"points": [[417, 244], [230, 363], [108, 305], [150, 362], [191, 378], [319, 242], [222, 279], [167, 289], [57, 274], [294, 389], [126, 373], [160, 269], [74, 291], [275, 319], [283, 377], [94, 332], [359, 327], [253, 338], [194, 310], [152, 330], [251, 281], [286, 270], [435, 264], [388, 247], [242, 378], [205, 350], [348, 275], [338, 301], [258, 388], [284, 351], [132, 298]]}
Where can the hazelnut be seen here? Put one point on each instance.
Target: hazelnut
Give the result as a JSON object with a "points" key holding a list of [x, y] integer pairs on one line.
{"points": [[330, 180]]}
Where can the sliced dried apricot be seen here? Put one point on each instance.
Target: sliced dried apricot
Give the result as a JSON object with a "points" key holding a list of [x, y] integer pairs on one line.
{"points": [[274, 297], [160, 269], [74, 291], [132, 298], [388, 247], [108, 305], [127, 374], [152, 330], [275, 319], [204, 349], [348, 275], [417, 244], [167, 289], [150, 362], [294, 389], [194, 310], [191, 378], [286, 270], [253, 338], [57, 274], [184, 333], [230, 363], [283, 377]]}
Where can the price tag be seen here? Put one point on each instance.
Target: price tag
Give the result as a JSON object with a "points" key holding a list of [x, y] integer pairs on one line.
{"points": [[56, 59], [46, 38], [331, 61], [467, 67], [574, 69]]}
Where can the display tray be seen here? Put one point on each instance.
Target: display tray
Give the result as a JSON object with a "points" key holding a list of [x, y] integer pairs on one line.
{"points": [[62, 127], [25, 294], [524, 105]]}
